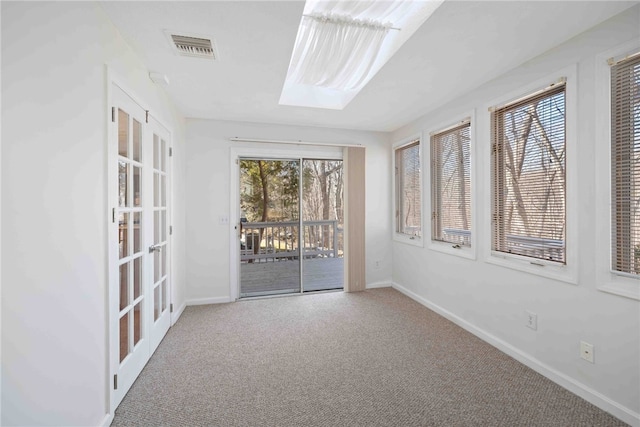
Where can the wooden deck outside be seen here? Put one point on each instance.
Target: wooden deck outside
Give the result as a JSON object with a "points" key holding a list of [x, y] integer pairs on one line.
{"points": [[283, 276]]}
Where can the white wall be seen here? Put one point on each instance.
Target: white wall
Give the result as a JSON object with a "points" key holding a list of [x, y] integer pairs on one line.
{"points": [[208, 198], [491, 300], [54, 215], [54, 218]]}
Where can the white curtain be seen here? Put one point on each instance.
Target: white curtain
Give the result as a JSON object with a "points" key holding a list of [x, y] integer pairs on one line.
{"points": [[338, 42]]}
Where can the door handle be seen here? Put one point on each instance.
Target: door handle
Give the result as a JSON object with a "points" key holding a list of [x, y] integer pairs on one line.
{"points": [[154, 248]]}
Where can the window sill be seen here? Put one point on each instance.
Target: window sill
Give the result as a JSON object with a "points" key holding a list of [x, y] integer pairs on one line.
{"points": [[624, 289], [409, 240], [545, 269], [447, 248]]}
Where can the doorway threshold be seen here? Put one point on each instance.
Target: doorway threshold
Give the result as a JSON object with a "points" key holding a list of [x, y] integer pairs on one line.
{"points": [[289, 294]]}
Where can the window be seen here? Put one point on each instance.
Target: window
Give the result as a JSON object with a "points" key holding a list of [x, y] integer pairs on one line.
{"points": [[340, 46], [408, 199], [625, 165], [451, 185], [528, 176]]}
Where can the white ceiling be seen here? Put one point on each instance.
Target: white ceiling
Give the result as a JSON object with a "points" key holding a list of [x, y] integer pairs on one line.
{"points": [[464, 44]]}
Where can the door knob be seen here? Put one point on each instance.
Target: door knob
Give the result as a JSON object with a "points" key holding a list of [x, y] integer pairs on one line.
{"points": [[154, 248]]}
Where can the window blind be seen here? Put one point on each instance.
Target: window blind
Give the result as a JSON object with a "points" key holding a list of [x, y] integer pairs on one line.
{"points": [[625, 165], [528, 176], [408, 199], [451, 185]]}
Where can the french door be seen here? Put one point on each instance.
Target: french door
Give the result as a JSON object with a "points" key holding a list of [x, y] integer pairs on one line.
{"points": [[138, 240], [290, 226], [159, 259]]}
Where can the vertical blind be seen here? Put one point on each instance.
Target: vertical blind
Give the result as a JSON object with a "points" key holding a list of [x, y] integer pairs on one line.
{"points": [[408, 199], [625, 165], [528, 173], [355, 253], [451, 185]]}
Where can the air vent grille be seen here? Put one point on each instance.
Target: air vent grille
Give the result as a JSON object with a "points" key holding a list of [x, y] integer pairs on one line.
{"points": [[194, 46]]}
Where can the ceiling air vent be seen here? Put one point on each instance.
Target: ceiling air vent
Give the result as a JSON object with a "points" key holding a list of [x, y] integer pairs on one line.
{"points": [[190, 45]]}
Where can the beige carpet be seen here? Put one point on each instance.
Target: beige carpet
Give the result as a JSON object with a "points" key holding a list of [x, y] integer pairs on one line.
{"points": [[374, 358]]}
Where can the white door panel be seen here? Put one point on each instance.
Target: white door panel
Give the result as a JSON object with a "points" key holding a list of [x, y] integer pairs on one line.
{"points": [[138, 240], [159, 251]]}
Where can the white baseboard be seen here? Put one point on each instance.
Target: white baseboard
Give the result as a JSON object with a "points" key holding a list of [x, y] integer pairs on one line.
{"points": [[106, 421], [574, 386], [378, 285], [202, 301], [176, 314]]}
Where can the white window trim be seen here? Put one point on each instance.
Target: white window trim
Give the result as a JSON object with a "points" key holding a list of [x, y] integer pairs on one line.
{"points": [[468, 252], [401, 237], [607, 279], [568, 272]]}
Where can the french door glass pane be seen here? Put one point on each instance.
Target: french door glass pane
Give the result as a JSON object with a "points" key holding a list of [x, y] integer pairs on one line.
{"points": [[160, 226], [137, 277], [163, 267], [156, 227], [137, 177], [137, 323], [123, 178], [163, 225], [164, 295], [156, 189], [156, 266], [163, 190], [124, 285], [124, 336], [137, 141], [163, 156], [156, 152], [156, 303], [136, 232], [123, 133], [123, 234]]}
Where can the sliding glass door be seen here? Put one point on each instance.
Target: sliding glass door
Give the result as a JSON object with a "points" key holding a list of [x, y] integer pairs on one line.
{"points": [[269, 227], [291, 226], [322, 225]]}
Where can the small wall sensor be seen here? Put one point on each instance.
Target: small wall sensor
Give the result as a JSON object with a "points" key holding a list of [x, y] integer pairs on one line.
{"points": [[159, 79]]}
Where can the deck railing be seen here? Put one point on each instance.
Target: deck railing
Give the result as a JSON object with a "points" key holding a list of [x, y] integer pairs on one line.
{"points": [[272, 241], [551, 249]]}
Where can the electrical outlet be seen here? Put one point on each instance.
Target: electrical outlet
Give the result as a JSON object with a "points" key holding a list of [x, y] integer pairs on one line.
{"points": [[223, 220], [531, 320], [376, 265], [586, 351]]}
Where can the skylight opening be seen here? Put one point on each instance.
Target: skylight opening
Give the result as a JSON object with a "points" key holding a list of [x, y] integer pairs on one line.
{"points": [[342, 44]]}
